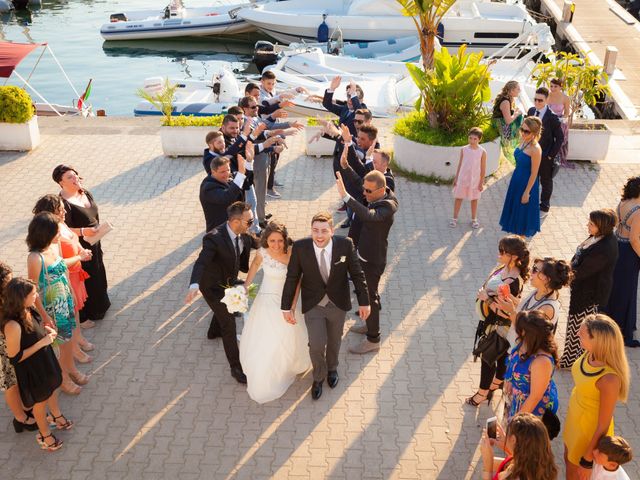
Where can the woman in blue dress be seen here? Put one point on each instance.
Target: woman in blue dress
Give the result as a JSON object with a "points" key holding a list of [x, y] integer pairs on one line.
{"points": [[521, 210]]}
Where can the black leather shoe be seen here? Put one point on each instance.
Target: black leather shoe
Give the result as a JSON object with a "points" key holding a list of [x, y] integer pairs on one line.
{"points": [[316, 390], [632, 343], [332, 378], [239, 375]]}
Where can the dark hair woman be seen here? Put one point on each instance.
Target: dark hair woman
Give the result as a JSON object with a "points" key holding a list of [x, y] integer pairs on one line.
{"points": [[272, 352], [83, 219], [528, 449], [507, 117], [49, 272], [74, 254], [512, 271], [530, 386], [592, 265], [622, 304], [30, 352], [22, 418]]}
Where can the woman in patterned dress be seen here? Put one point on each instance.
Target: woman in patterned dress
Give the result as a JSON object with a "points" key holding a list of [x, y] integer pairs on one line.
{"points": [[48, 270]]}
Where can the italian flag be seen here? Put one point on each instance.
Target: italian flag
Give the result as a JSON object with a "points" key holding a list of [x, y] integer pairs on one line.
{"points": [[85, 95]]}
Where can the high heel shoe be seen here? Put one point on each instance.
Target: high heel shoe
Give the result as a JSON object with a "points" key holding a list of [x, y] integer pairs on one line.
{"points": [[82, 357], [79, 378], [473, 402], [492, 390], [19, 426], [62, 426], [51, 447], [70, 388]]}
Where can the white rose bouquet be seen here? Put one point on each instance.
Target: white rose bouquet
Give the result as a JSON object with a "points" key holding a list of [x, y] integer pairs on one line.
{"points": [[237, 298]]}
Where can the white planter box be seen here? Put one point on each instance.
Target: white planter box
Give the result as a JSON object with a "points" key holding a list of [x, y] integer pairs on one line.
{"points": [[20, 136], [590, 145], [430, 160], [320, 148], [184, 141]]}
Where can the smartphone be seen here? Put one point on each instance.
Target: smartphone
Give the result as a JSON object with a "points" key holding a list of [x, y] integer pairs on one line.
{"points": [[492, 425], [504, 291]]}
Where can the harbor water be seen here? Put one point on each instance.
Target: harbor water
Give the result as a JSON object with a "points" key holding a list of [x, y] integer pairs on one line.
{"points": [[118, 69]]}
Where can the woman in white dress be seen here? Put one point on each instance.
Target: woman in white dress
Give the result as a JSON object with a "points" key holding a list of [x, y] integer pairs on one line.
{"points": [[272, 351]]}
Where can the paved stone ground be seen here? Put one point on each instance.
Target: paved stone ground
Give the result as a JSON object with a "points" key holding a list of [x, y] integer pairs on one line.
{"points": [[161, 402]]}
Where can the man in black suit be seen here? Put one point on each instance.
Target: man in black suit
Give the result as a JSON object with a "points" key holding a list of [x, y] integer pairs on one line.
{"points": [[550, 142], [376, 219], [225, 252], [321, 266], [218, 191]]}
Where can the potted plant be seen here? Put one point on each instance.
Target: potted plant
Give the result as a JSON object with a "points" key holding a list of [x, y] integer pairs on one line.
{"points": [[584, 84], [320, 146], [453, 89], [180, 135], [18, 124]]}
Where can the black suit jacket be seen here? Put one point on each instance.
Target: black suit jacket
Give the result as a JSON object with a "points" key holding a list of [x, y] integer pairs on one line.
{"points": [[216, 266], [593, 274], [552, 136], [215, 197], [373, 224], [303, 267]]}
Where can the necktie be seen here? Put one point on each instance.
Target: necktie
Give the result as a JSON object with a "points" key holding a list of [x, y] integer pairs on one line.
{"points": [[237, 252], [325, 276], [537, 113], [323, 265]]}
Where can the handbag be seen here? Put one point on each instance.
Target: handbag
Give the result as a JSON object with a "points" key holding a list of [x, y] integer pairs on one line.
{"points": [[490, 347], [552, 423]]}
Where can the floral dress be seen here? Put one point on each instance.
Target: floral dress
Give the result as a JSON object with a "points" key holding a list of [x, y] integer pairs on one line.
{"points": [[518, 377], [57, 298], [7, 373]]}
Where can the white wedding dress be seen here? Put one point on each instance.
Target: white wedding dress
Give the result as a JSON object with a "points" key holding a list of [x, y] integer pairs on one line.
{"points": [[272, 351]]}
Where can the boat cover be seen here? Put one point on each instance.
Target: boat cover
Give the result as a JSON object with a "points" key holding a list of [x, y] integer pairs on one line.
{"points": [[381, 7], [11, 54]]}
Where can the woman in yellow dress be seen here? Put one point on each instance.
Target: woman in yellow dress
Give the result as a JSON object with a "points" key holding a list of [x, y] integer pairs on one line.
{"points": [[601, 377]]}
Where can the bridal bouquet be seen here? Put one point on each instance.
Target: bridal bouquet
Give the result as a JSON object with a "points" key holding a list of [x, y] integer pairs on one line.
{"points": [[237, 299]]}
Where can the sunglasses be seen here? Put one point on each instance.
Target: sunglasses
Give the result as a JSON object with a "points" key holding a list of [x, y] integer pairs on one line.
{"points": [[366, 190], [253, 107], [538, 100], [525, 130], [358, 121]]}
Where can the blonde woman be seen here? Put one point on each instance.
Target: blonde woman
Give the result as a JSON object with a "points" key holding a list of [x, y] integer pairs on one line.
{"points": [[507, 116], [601, 377], [521, 210]]}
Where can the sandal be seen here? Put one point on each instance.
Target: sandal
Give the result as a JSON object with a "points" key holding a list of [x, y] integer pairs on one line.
{"points": [[472, 400], [51, 447], [64, 426], [453, 223], [87, 346], [70, 388], [498, 386], [81, 357], [87, 324], [475, 224], [79, 378]]}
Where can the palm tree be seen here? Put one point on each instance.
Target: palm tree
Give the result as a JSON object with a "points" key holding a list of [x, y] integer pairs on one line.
{"points": [[162, 100], [427, 15]]}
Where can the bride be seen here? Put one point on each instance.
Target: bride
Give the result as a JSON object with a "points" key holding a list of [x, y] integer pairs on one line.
{"points": [[272, 351]]}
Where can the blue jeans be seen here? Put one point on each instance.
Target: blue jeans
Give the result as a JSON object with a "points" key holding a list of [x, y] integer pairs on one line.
{"points": [[250, 197]]}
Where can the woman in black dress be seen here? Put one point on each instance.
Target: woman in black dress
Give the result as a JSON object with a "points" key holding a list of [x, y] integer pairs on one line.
{"points": [[29, 351], [592, 266], [82, 217]]}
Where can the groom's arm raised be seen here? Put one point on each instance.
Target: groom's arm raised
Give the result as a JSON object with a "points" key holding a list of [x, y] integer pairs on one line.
{"points": [[294, 272], [359, 282]]}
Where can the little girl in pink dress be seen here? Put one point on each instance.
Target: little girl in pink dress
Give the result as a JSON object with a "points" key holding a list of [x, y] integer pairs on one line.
{"points": [[469, 180]]}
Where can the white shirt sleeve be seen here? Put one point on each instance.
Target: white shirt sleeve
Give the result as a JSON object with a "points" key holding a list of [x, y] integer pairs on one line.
{"points": [[239, 179]]}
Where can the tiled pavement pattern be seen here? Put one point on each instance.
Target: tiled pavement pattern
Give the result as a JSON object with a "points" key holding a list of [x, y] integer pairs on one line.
{"points": [[161, 402]]}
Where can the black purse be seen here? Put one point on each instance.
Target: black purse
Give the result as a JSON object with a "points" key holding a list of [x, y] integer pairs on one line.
{"points": [[490, 347]]}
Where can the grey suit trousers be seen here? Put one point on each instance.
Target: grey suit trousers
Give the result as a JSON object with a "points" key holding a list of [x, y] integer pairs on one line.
{"points": [[260, 175], [325, 326]]}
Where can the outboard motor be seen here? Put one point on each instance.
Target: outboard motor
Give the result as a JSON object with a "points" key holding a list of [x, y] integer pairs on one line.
{"points": [[264, 54], [225, 87], [118, 17], [323, 30], [20, 4]]}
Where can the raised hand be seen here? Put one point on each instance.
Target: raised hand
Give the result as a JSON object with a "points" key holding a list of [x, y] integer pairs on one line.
{"points": [[346, 134], [371, 148], [344, 159], [242, 167], [261, 127], [249, 152], [280, 113], [302, 90], [342, 192], [297, 125], [315, 138], [352, 88], [287, 104], [246, 128], [335, 83]]}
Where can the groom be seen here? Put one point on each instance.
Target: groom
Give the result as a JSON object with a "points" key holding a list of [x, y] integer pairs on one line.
{"points": [[225, 252], [322, 264]]}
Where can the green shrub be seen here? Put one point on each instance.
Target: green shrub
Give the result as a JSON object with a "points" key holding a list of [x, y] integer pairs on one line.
{"points": [[312, 122], [415, 127], [15, 105], [192, 121]]}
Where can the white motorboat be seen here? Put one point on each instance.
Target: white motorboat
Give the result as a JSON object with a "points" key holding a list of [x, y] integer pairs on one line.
{"points": [[195, 97], [176, 21], [483, 26]]}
